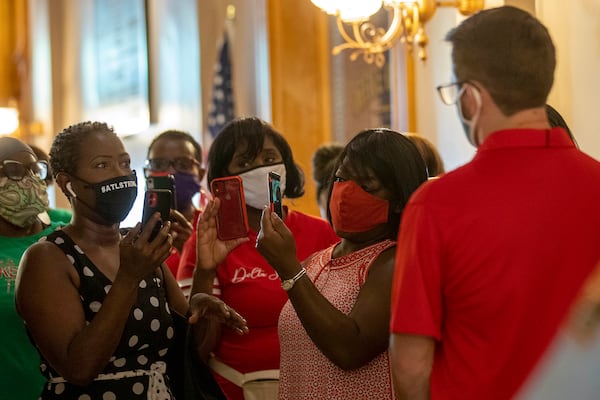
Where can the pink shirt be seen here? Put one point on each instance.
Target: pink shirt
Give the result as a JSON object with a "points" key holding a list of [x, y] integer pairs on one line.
{"points": [[306, 373]]}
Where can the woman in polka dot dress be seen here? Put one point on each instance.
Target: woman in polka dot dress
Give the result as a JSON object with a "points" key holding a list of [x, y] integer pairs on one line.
{"points": [[97, 305]]}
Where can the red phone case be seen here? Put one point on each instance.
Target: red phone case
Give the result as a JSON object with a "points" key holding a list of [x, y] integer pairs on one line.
{"points": [[232, 220]]}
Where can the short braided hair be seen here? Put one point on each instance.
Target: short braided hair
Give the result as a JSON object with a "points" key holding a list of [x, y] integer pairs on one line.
{"points": [[64, 153]]}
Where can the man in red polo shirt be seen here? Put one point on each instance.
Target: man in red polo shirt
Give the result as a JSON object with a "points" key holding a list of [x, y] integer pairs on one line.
{"points": [[491, 256]]}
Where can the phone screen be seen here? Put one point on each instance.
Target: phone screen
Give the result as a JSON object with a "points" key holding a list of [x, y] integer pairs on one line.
{"points": [[163, 180], [275, 196], [156, 200], [232, 220]]}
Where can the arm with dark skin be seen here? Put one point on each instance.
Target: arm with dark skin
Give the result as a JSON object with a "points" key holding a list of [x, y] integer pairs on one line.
{"points": [[349, 341], [210, 252], [47, 298]]}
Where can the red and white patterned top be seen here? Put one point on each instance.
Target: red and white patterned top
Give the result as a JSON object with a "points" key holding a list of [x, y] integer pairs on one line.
{"points": [[305, 372]]}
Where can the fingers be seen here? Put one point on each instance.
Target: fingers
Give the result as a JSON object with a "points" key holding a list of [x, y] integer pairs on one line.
{"points": [[179, 218], [148, 227], [207, 306], [207, 219], [232, 244], [266, 225], [131, 235], [232, 319]]}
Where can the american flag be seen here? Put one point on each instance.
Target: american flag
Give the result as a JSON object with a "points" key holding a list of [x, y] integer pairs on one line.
{"points": [[221, 106]]}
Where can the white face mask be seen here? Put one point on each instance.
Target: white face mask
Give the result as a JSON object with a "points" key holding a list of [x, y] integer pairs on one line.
{"points": [[256, 184], [470, 125]]}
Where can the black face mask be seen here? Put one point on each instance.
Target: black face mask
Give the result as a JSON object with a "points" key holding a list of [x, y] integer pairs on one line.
{"points": [[114, 197]]}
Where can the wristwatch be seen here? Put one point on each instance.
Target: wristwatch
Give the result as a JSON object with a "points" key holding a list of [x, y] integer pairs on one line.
{"points": [[289, 283]]}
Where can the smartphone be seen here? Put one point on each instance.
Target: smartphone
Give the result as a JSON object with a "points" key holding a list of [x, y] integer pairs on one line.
{"points": [[275, 196], [163, 180], [232, 220], [156, 200]]}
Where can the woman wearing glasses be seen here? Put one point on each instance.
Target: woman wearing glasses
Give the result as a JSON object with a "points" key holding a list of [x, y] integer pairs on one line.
{"points": [[179, 154], [22, 197]]}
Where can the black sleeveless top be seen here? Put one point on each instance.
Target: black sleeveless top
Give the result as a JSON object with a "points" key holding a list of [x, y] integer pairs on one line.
{"points": [[145, 340]]}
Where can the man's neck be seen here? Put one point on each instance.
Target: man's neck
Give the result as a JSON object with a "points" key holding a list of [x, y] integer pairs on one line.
{"points": [[532, 118]]}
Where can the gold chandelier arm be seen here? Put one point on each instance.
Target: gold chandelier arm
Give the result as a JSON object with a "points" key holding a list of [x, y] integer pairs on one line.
{"points": [[358, 38], [342, 30], [407, 26], [394, 30]]}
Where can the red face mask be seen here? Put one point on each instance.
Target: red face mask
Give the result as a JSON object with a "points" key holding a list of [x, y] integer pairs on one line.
{"points": [[354, 210]]}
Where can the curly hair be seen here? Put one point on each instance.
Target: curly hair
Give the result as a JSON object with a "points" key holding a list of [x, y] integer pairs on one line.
{"points": [[323, 161], [64, 153], [178, 135]]}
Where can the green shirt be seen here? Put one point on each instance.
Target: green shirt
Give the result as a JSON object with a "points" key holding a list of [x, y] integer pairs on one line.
{"points": [[60, 215], [20, 377]]}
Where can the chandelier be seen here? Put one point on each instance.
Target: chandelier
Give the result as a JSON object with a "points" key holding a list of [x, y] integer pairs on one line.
{"points": [[407, 24]]}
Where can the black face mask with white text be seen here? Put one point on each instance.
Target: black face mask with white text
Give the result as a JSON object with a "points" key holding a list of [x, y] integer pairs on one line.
{"points": [[114, 197]]}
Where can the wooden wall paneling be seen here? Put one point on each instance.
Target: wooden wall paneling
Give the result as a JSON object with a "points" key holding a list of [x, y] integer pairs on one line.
{"points": [[300, 83]]}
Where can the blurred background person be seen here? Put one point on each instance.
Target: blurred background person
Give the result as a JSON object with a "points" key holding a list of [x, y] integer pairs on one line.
{"points": [[22, 198], [179, 154], [52, 214], [430, 154], [323, 161], [556, 120]]}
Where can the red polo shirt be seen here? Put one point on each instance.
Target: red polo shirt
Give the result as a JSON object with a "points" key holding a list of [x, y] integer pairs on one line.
{"points": [[490, 257]]}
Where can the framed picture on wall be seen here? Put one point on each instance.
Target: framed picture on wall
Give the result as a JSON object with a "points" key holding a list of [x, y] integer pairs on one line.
{"points": [[114, 64]]}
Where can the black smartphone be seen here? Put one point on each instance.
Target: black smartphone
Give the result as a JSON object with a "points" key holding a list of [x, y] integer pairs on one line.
{"points": [[232, 220], [275, 195], [156, 200], [163, 180]]}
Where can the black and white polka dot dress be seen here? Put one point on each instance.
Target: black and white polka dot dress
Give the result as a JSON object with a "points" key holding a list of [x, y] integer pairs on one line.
{"points": [[143, 346]]}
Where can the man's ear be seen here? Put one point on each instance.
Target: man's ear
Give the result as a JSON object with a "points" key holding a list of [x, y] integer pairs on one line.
{"points": [[471, 100]]}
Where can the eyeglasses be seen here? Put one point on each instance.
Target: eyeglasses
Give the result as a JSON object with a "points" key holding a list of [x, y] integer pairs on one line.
{"points": [[180, 164], [451, 92], [16, 170]]}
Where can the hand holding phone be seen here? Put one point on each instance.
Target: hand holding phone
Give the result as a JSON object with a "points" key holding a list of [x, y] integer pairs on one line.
{"points": [[156, 200], [232, 220], [275, 195]]}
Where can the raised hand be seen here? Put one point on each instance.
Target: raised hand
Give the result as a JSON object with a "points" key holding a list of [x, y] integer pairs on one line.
{"points": [[210, 251], [277, 245], [203, 305]]}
